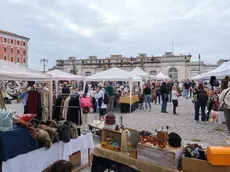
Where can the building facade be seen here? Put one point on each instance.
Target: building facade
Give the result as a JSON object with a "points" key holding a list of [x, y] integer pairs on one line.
{"points": [[13, 47], [177, 67]]}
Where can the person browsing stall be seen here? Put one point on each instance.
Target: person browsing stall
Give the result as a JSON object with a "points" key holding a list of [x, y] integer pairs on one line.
{"points": [[100, 96]]}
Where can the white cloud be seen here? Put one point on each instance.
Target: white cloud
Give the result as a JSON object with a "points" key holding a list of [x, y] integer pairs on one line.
{"points": [[80, 28]]}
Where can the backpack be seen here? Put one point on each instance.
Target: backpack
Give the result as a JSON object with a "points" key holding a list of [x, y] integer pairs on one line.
{"points": [[106, 97], [203, 96]]}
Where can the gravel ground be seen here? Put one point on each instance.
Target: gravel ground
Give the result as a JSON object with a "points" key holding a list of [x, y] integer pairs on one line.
{"points": [[183, 124]]}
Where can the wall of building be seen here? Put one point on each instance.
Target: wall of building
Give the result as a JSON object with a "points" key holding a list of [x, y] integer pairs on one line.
{"points": [[13, 48]]}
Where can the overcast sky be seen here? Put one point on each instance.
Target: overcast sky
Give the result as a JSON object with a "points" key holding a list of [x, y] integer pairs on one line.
{"points": [[61, 28]]}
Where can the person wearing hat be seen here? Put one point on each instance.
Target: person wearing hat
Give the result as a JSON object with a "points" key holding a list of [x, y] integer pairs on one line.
{"points": [[99, 96]]}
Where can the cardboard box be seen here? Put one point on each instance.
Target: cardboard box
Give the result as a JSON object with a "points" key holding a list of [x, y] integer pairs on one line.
{"points": [[117, 135], [195, 165], [167, 157], [75, 159]]}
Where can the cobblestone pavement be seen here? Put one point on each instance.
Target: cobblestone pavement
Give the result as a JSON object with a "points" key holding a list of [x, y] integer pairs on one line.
{"points": [[183, 124]]}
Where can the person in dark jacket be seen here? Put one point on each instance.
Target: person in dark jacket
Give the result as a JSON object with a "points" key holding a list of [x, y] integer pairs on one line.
{"points": [[147, 94], [187, 87], [65, 89], [201, 102], [164, 96], [169, 87]]}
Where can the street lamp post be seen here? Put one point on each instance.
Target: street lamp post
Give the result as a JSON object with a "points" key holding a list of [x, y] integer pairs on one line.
{"points": [[44, 61]]}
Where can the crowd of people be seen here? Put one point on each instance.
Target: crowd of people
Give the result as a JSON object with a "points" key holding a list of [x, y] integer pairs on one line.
{"points": [[105, 96]]}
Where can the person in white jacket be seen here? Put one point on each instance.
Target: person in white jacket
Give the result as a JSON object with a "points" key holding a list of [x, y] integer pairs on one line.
{"points": [[99, 96], [225, 99]]}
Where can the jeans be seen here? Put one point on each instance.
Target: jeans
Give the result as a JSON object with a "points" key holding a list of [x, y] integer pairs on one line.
{"points": [[175, 104], [147, 101], [158, 96], [164, 105], [198, 106], [110, 104], [170, 96], [186, 93]]}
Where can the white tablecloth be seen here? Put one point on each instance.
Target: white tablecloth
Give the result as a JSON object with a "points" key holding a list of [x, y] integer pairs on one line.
{"points": [[40, 159]]}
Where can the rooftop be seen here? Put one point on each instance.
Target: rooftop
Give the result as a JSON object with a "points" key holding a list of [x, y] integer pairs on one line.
{"points": [[14, 34]]}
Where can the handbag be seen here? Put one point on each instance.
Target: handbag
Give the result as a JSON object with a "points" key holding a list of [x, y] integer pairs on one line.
{"points": [[223, 105], [6, 119]]}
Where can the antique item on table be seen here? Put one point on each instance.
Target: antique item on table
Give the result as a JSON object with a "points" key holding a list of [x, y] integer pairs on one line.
{"points": [[121, 122], [174, 140], [114, 140], [6, 119], [26, 117], [194, 151], [162, 137], [111, 143], [110, 121], [218, 155]]}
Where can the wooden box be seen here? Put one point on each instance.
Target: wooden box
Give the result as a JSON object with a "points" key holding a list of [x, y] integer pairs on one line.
{"points": [[167, 157], [75, 159], [196, 165], [117, 135]]}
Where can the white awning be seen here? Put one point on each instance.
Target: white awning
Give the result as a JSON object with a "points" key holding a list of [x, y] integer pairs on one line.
{"points": [[60, 75]]}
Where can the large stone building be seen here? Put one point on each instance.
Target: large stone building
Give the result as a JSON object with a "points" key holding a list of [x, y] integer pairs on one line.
{"points": [[177, 67], [13, 47]]}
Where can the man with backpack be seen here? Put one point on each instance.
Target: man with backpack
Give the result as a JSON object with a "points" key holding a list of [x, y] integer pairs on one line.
{"points": [[102, 99]]}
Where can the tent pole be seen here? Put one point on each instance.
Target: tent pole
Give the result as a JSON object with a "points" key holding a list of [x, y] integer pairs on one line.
{"points": [[84, 86], [51, 99], [56, 88], [130, 94]]}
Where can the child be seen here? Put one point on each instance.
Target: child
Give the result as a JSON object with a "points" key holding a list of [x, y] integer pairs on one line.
{"points": [[174, 99]]}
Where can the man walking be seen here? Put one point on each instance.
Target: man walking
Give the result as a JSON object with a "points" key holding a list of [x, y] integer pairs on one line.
{"points": [[110, 90], [186, 87], [169, 87]]}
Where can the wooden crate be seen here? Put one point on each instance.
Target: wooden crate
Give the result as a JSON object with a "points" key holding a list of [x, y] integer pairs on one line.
{"points": [[167, 157], [196, 165], [118, 136], [75, 159]]}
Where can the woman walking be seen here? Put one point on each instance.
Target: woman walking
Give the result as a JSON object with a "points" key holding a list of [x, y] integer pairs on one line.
{"points": [[147, 94], [201, 102], [174, 99], [164, 96]]}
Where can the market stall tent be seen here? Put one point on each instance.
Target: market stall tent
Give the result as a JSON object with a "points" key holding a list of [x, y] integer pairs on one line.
{"points": [[114, 74], [219, 72], [161, 76], [139, 72], [16, 72], [58, 75]]}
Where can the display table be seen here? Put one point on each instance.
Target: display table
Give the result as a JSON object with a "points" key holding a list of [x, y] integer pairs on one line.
{"points": [[105, 159], [40, 159], [125, 103]]}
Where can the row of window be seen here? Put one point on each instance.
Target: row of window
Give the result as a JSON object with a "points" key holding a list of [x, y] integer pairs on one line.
{"points": [[12, 50], [131, 60], [16, 42], [12, 59]]}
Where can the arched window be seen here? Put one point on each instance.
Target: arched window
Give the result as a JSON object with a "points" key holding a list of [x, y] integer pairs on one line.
{"points": [[193, 73], [153, 72], [173, 74], [87, 73]]}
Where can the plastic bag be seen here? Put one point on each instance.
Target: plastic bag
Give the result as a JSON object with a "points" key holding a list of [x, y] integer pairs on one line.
{"points": [[86, 102]]}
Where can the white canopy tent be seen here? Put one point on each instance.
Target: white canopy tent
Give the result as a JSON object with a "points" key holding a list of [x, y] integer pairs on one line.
{"points": [[219, 72], [161, 76], [139, 72], [16, 72], [198, 77], [60, 75], [12, 71], [114, 74]]}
